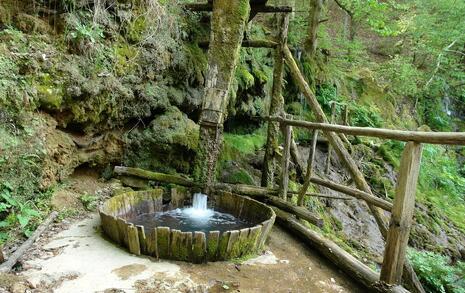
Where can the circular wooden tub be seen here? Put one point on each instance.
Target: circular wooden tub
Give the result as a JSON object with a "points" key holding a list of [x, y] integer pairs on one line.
{"points": [[197, 246]]}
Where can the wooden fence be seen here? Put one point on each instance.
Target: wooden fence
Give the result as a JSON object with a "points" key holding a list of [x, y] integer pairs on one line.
{"points": [[404, 202]]}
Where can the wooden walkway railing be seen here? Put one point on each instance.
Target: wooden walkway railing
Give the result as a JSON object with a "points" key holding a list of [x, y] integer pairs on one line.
{"points": [[404, 202]]}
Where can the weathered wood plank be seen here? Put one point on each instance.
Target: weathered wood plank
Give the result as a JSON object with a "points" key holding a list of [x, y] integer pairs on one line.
{"points": [[199, 248], [152, 243], [163, 242], [142, 239], [232, 250], [133, 239], [402, 214], [178, 196], [223, 245], [254, 235], [212, 245], [123, 235]]}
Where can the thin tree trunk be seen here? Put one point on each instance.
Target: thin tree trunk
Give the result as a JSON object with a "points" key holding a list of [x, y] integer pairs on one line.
{"points": [[314, 16], [276, 107]]}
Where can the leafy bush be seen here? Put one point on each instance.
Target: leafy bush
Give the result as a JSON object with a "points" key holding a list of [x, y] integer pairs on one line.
{"points": [[435, 272]]}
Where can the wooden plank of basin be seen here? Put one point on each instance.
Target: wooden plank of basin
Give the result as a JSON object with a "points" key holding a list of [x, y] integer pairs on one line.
{"points": [[223, 245], [181, 245], [113, 228], [187, 246], [266, 226], [232, 250], [163, 242], [243, 238], [252, 239], [123, 235], [133, 240], [142, 239], [152, 243], [212, 245], [178, 195], [199, 248], [176, 250]]}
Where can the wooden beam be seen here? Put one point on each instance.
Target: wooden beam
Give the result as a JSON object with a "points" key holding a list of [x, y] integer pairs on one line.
{"points": [[369, 198], [13, 259], [402, 214], [300, 212], [285, 162], [247, 43], [342, 259], [254, 8], [160, 177], [454, 138]]}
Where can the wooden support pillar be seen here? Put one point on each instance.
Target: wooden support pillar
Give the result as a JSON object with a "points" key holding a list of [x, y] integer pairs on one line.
{"points": [[285, 162], [402, 214], [330, 147], [276, 106], [310, 164], [228, 23]]}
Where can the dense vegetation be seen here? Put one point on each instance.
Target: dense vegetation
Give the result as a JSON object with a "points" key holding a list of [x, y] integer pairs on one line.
{"points": [[98, 84]]}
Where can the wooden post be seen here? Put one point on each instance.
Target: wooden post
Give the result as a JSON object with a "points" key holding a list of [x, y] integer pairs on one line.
{"points": [[330, 147], [310, 163], [402, 213], [285, 162], [228, 23], [276, 107]]}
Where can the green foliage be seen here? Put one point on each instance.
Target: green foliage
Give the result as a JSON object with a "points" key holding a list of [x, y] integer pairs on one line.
{"points": [[366, 116], [442, 183], [15, 212], [237, 145], [89, 201], [436, 273], [400, 76]]}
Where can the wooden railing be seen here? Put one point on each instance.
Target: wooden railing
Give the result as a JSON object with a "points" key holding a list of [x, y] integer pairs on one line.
{"points": [[404, 202]]}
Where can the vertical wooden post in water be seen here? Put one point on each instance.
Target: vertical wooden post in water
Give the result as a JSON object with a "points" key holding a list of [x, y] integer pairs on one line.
{"points": [[227, 30], [276, 106], [402, 214], [285, 162]]}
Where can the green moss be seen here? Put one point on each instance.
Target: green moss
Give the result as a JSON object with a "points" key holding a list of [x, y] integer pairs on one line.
{"points": [[240, 176], [125, 59]]}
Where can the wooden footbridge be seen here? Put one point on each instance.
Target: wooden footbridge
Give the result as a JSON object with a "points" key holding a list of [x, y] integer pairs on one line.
{"points": [[394, 219]]}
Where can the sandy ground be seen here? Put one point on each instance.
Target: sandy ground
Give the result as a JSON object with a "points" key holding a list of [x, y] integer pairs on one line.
{"points": [[79, 259]]}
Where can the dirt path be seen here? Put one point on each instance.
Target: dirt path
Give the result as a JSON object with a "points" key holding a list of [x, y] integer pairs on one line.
{"points": [[79, 259]]}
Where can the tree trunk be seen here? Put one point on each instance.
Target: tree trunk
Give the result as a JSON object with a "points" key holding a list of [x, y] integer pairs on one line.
{"points": [[314, 16], [276, 107]]}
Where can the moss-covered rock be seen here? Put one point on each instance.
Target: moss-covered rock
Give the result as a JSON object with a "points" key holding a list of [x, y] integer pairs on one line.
{"points": [[167, 144]]}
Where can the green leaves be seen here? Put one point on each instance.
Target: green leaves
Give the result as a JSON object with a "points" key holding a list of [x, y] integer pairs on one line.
{"points": [[15, 212], [436, 273]]}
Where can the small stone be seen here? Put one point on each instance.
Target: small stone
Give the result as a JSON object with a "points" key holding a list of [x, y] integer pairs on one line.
{"points": [[19, 288]]}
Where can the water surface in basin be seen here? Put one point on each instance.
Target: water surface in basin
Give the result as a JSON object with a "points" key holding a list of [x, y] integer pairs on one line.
{"points": [[195, 218]]}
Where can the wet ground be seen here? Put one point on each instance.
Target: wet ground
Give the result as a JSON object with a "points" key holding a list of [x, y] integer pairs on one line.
{"points": [[79, 259], [73, 257]]}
